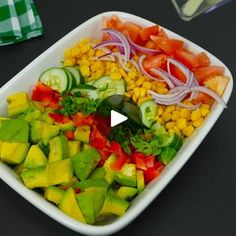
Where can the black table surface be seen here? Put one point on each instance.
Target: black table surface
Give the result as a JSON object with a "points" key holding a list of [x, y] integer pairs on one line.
{"points": [[201, 199]]}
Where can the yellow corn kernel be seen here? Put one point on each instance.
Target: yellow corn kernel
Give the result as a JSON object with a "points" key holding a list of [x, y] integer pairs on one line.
{"points": [[137, 92], [142, 99], [127, 79], [69, 62], [170, 108], [175, 115], [134, 98], [130, 87], [188, 130], [84, 48], [166, 116], [198, 122], [68, 53], [147, 85], [160, 110], [159, 120], [132, 74], [75, 52], [128, 95], [143, 92], [85, 70], [196, 115], [116, 75], [91, 53], [181, 123], [205, 109], [99, 53], [170, 125], [176, 130], [140, 81], [123, 73], [161, 90], [184, 113]]}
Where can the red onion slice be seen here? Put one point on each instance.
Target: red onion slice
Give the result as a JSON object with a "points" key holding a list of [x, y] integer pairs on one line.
{"points": [[108, 43], [189, 107], [143, 49], [160, 73], [142, 70]]}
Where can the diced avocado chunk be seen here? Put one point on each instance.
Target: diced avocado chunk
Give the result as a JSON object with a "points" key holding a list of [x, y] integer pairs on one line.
{"points": [[82, 133], [1, 143], [126, 193], [47, 119], [14, 153], [86, 146], [82, 185], [49, 132], [19, 169], [66, 126], [74, 147], [59, 148], [69, 205], [36, 129], [71, 183], [35, 158], [35, 178], [59, 172], [127, 175], [114, 206], [32, 114], [85, 201], [53, 194], [18, 103], [110, 174], [85, 162], [45, 148], [140, 181], [14, 130], [98, 173], [98, 195], [167, 154]]}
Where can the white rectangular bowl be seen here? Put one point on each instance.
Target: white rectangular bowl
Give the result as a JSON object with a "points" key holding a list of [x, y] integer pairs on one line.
{"points": [[26, 79]]}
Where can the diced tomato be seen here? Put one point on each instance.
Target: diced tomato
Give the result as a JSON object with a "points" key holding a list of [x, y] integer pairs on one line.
{"points": [[158, 61], [69, 134], [120, 160], [204, 73], [132, 30], [41, 90], [150, 161], [150, 44], [102, 124], [114, 22], [187, 58], [115, 147], [203, 98], [177, 73], [139, 160], [152, 172], [163, 34], [59, 118], [79, 119], [145, 33], [169, 46], [203, 59], [97, 140]]}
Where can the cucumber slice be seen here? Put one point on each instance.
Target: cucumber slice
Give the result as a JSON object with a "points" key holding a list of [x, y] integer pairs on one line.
{"points": [[71, 80], [56, 78], [158, 129], [75, 73], [167, 155], [172, 140], [148, 112]]}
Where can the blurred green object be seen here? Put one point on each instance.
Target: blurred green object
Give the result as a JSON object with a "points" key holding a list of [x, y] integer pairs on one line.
{"points": [[19, 20]]}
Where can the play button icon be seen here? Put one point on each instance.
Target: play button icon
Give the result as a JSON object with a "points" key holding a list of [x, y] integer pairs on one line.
{"points": [[117, 118]]}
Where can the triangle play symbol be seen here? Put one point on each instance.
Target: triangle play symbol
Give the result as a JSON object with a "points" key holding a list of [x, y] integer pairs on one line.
{"points": [[117, 118]]}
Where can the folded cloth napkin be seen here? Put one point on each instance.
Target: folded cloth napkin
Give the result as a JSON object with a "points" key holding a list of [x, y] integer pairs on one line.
{"points": [[19, 20]]}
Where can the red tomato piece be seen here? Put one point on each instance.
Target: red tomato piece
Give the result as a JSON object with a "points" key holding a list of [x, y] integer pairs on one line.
{"points": [[150, 161], [138, 159], [177, 73], [69, 134], [97, 140], [145, 33], [203, 98], [132, 29], [163, 34], [187, 58], [150, 44], [120, 160], [41, 90], [77, 190], [79, 119], [203, 59], [203, 73], [59, 118], [158, 61], [150, 174], [169, 46]]}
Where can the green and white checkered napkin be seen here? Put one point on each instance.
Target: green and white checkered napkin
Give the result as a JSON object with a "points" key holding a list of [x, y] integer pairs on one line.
{"points": [[19, 20]]}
